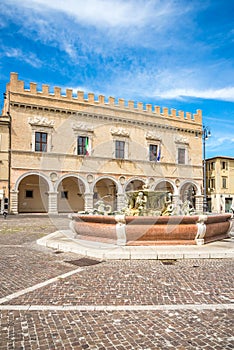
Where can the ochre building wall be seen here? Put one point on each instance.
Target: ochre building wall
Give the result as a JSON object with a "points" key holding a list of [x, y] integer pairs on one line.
{"points": [[103, 121]]}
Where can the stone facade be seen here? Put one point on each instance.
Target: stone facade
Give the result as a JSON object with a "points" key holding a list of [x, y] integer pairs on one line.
{"points": [[220, 184], [70, 151]]}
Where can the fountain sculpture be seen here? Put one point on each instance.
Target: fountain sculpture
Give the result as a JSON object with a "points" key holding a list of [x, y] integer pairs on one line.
{"points": [[150, 218]]}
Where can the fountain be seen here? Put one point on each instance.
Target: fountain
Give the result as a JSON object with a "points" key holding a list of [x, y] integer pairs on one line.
{"points": [[150, 218]]}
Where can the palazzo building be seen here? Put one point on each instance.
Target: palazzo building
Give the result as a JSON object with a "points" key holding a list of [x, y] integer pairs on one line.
{"points": [[220, 183], [69, 151]]}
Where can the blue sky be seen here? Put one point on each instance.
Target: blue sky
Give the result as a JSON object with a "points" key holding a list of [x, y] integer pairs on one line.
{"points": [[171, 53]]}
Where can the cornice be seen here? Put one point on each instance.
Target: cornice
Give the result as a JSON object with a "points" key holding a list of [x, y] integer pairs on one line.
{"points": [[109, 118]]}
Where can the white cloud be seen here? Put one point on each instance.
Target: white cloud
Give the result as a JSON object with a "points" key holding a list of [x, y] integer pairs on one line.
{"points": [[122, 42], [102, 27], [103, 13], [224, 94], [177, 84], [224, 143], [18, 54]]}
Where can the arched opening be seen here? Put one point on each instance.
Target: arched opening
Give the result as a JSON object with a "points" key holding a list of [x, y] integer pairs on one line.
{"points": [[135, 185], [33, 195], [71, 195], [188, 193], [164, 186], [105, 190]]}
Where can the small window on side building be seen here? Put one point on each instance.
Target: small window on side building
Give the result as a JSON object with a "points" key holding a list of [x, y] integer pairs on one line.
{"points": [[224, 182]]}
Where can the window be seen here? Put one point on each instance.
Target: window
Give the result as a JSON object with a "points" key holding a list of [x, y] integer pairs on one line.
{"points": [[224, 182], [212, 184], [83, 145], [181, 155], [224, 165], [29, 194], [153, 152], [40, 141], [119, 149], [64, 194], [212, 166]]}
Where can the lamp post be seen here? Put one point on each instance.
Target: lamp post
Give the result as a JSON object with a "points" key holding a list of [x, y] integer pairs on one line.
{"points": [[205, 135]]}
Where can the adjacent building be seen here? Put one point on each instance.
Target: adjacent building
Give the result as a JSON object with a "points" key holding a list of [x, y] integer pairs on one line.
{"points": [[4, 162], [220, 184], [68, 151]]}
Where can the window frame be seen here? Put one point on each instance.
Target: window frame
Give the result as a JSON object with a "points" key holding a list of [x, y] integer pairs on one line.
{"points": [[43, 145], [120, 151], [153, 157], [179, 149], [224, 165], [224, 182], [83, 145], [212, 166]]}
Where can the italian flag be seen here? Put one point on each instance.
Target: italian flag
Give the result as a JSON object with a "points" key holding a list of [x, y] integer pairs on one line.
{"points": [[87, 147]]}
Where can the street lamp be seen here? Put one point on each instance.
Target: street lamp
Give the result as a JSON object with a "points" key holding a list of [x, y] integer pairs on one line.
{"points": [[205, 135]]}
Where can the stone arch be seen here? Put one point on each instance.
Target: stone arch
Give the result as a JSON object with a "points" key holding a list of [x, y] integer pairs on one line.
{"points": [[106, 189], [134, 184], [21, 177], [119, 187], [165, 185], [71, 189], [190, 182], [33, 192], [83, 180], [188, 190]]}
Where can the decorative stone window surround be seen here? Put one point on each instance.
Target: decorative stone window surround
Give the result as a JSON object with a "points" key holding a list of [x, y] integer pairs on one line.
{"points": [[152, 139], [120, 134], [85, 130], [182, 142], [42, 124]]}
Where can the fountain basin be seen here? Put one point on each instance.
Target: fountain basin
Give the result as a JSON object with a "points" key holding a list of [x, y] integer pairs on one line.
{"points": [[152, 230]]}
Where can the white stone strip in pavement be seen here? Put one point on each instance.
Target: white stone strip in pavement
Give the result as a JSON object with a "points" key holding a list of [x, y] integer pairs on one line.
{"points": [[39, 285], [193, 307], [11, 246]]}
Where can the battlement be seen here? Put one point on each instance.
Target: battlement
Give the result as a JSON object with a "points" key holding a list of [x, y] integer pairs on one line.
{"points": [[18, 86]]}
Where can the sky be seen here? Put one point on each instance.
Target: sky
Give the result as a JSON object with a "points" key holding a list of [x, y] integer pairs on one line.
{"points": [[171, 53]]}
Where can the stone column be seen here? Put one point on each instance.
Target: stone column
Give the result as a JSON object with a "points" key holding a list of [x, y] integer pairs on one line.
{"points": [[199, 203], [14, 202], [88, 198], [120, 201], [175, 200], [176, 204], [53, 203]]}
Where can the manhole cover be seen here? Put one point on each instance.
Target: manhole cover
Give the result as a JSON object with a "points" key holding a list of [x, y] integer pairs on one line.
{"points": [[83, 262], [168, 261]]}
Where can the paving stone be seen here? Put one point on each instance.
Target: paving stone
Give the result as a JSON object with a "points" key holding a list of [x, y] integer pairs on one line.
{"points": [[184, 305]]}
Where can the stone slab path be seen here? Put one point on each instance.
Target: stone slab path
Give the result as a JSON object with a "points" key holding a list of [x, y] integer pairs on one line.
{"points": [[51, 299]]}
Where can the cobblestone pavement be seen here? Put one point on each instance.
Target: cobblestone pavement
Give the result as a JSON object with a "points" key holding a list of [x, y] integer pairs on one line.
{"points": [[55, 300]]}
